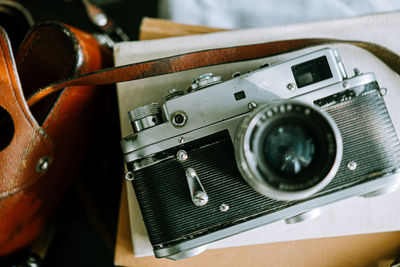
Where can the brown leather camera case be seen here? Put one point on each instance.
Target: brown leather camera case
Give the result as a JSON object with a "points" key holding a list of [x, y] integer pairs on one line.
{"points": [[42, 147]]}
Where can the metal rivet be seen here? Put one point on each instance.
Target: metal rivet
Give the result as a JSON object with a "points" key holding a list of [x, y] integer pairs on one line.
{"points": [[224, 207], [291, 86], [182, 155], [181, 140], [382, 91], [346, 85], [252, 105], [352, 165], [129, 176], [43, 164]]}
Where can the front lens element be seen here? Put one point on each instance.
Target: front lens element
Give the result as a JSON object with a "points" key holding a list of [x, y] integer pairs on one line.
{"points": [[288, 148]]}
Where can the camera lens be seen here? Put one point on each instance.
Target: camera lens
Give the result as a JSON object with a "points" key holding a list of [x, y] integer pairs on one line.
{"points": [[288, 150]]}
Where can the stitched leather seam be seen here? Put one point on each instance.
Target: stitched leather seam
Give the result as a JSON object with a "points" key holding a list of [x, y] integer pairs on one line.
{"points": [[31, 143], [12, 189]]}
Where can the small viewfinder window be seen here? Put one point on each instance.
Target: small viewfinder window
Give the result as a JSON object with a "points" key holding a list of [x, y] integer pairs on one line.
{"points": [[312, 71]]}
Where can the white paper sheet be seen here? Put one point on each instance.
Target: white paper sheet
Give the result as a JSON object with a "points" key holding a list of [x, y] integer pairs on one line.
{"points": [[348, 217]]}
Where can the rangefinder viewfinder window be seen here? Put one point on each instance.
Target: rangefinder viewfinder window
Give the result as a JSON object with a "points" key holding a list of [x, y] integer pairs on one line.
{"points": [[312, 71]]}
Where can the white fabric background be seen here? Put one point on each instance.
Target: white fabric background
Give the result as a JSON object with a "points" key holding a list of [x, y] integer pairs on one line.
{"points": [[256, 13]]}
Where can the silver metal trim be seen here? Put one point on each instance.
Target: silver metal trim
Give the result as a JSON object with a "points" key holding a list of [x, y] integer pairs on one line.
{"points": [[187, 253], [382, 191], [304, 216]]}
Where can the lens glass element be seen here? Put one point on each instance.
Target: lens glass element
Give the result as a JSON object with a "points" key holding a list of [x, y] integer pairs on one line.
{"points": [[288, 148]]}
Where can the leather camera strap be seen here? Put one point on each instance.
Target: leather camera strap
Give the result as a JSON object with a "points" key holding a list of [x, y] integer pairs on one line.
{"points": [[207, 58]]}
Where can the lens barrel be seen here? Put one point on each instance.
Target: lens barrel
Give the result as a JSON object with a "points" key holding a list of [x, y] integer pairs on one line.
{"points": [[288, 150]]}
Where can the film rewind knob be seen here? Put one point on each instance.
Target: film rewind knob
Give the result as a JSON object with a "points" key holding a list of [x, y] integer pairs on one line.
{"points": [[145, 117]]}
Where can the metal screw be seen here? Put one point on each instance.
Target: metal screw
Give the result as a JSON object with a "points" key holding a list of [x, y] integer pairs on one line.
{"points": [[224, 207], [129, 176], [382, 91], [352, 165], [181, 140], [43, 164], [291, 86], [182, 155], [346, 85], [200, 198], [252, 105]]}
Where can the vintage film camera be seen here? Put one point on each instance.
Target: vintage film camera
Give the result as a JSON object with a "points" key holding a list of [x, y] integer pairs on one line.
{"points": [[272, 144]]}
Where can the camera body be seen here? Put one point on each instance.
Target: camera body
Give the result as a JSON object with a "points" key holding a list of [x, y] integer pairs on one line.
{"points": [[272, 144]]}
